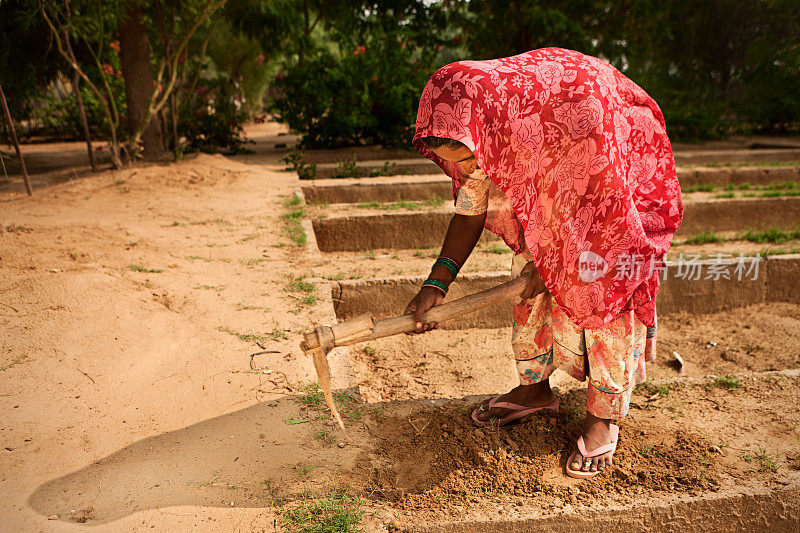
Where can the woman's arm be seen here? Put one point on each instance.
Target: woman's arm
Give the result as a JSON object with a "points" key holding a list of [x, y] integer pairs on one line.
{"points": [[462, 236]]}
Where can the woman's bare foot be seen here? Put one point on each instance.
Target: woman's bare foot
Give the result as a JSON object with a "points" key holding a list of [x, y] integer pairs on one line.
{"points": [[536, 395], [596, 433]]}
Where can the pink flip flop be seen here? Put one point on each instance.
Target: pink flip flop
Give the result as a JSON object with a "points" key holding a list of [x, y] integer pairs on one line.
{"points": [[519, 412], [611, 447]]}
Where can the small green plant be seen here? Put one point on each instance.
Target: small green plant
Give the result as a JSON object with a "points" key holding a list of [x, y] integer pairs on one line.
{"points": [[207, 221], [248, 238], [435, 201], [348, 407], [423, 253], [304, 470], [652, 450], [217, 288], [301, 285], [772, 235], [777, 194], [650, 390], [308, 300], [139, 268], [276, 334], [244, 307], [338, 513], [389, 169], [247, 337], [704, 187], [785, 186], [323, 436], [253, 262], [726, 195], [17, 360], [766, 462], [372, 352], [294, 160], [293, 227], [312, 395], [346, 168], [119, 182], [409, 205], [772, 251], [498, 249], [727, 382], [706, 237]]}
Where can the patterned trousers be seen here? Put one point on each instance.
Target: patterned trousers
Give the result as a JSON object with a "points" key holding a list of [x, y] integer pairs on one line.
{"points": [[612, 357]]}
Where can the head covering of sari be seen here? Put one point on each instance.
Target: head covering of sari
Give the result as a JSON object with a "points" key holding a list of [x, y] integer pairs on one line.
{"points": [[585, 179]]}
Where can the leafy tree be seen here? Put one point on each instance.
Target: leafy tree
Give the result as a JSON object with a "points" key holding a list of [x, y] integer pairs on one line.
{"points": [[712, 65], [90, 23], [360, 82], [86, 23], [24, 41]]}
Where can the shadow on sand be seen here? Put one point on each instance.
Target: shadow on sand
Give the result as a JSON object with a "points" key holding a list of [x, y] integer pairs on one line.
{"points": [[252, 457], [261, 455]]}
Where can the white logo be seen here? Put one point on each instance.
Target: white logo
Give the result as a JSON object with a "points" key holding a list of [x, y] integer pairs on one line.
{"points": [[591, 266]]}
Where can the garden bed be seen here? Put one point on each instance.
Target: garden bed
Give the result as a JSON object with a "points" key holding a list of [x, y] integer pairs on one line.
{"points": [[360, 229]]}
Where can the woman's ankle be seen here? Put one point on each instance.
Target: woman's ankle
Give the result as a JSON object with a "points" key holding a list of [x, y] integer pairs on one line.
{"points": [[535, 390]]}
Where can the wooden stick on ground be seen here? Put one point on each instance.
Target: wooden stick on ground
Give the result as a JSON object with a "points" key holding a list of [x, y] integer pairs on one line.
{"points": [[361, 328]]}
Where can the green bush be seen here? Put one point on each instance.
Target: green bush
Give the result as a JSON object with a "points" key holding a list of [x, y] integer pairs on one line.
{"points": [[55, 116], [211, 121], [363, 93]]}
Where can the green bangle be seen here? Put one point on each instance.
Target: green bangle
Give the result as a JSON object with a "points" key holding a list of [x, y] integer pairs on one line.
{"points": [[449, 264], [437, 284]]}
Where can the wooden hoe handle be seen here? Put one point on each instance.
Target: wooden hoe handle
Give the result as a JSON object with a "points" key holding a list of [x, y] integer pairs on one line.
{"points": [[362, 328]]}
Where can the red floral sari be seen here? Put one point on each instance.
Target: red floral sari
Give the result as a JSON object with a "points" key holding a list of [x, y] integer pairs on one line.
{"points": [[584, 170]]}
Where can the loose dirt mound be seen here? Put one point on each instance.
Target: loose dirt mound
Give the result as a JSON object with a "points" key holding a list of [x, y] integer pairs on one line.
{"points": [[200, 171], [433, 459]]}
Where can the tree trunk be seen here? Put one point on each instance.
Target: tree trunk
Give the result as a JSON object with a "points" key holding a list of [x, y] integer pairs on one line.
{"points": [[139, 82], [13, 134], [76, 86], [173, 120]]}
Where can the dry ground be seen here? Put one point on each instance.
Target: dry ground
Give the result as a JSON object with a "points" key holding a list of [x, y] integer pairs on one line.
{"points": [[133, 300]]}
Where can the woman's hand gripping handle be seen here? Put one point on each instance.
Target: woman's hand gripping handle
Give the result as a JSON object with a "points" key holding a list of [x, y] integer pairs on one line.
{"points": [[535, 285]]}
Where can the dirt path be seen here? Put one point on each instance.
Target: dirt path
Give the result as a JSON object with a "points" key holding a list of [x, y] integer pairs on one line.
{"points": [[132, 301]]}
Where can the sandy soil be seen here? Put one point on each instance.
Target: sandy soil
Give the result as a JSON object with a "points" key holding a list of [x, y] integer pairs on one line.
{"points": [[128, 298], [134, 300]]}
